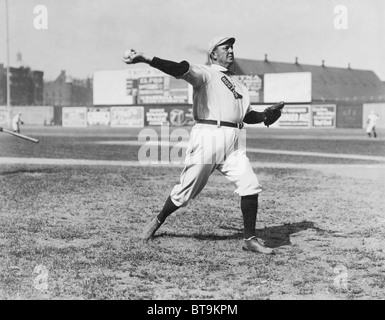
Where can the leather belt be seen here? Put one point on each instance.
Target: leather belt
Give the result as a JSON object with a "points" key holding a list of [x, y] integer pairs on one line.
{"points": [[222, 123]]}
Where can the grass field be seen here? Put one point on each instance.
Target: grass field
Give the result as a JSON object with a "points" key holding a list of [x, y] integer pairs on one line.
{"points": [[71, 231]]}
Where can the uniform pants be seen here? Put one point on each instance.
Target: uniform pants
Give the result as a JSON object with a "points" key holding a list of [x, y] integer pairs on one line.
{"points": [[213, 148]]}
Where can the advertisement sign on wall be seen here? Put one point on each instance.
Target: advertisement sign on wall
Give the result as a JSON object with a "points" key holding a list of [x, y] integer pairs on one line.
{"points": [[181, 117], [98, 116], [162, 90], [295, 116], [74, 116], [156, 116], [127, 117], [255, 85], [324, 116], [176, 116]]}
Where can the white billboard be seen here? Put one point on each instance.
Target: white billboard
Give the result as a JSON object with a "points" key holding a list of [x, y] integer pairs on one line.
{"points": [[289, 87], [110, 87], [118, 87]]}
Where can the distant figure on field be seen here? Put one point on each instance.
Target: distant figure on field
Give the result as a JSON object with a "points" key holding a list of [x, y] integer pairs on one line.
{"points": [[371, 124], [16, 122]]}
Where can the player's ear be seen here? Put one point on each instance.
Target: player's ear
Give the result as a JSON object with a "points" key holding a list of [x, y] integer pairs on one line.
{"points": [[213, 55]]}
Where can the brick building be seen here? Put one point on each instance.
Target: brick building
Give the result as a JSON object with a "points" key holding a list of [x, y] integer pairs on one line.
{"points": [[26, 86], [66, 91]]}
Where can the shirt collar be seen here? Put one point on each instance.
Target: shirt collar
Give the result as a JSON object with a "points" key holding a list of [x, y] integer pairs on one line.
{"points": [[220, 68]]}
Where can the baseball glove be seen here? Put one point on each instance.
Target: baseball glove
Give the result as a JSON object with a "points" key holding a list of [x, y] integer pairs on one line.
{"points": [[273, 113]]}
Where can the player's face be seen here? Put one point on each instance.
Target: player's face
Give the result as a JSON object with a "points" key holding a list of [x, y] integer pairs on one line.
{"points": [[224, 55]]}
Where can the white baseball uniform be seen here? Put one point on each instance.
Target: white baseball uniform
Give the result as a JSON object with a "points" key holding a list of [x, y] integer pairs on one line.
{"points": [[16, 122], [372, 121], [220, 97]]}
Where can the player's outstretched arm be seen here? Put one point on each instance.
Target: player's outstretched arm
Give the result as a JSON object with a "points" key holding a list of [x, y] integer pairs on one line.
{"points": [[172, 68]]}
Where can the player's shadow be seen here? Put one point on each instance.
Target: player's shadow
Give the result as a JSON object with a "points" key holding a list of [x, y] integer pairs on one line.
{"points": [[278, 236], [273, 237]]}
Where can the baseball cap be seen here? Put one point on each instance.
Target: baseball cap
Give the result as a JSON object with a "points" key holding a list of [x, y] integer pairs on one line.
{"points": [[217, 41]]}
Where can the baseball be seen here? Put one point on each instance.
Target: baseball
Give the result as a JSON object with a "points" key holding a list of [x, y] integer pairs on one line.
{"points": [[127, 54]]}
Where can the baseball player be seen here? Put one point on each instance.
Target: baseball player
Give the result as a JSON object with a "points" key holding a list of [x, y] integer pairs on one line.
{"points": [[16, 123], [221, 105], [371, 124]]}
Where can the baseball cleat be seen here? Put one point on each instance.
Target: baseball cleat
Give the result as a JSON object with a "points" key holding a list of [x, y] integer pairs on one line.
{"points": [[150, 229], [252, 244]]}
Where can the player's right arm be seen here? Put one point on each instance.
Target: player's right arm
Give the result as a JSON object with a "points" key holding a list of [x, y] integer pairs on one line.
{"points": [[193, 74]]}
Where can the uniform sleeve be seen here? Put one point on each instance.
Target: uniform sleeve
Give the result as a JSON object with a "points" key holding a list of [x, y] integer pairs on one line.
{"points": [[253, 117], [172, 68], [197, 75]]}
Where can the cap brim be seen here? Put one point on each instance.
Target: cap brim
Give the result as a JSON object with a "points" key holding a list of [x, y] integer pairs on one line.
{"points": [[228, 40]]}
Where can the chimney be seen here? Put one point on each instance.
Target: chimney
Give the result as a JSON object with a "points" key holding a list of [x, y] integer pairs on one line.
{"points": [[296, 60], [349, 66], [323, 63], [19, 57], [266, 57]]}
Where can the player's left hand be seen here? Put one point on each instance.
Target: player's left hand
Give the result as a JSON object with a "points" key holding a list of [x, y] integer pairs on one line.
{"points": [[273, 113]]}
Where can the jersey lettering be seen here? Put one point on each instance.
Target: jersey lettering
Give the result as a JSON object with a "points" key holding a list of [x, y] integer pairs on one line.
{"points": [[231, 87]]}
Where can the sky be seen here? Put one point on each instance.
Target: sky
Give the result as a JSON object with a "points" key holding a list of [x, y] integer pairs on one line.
{"points": [[84, 36]]}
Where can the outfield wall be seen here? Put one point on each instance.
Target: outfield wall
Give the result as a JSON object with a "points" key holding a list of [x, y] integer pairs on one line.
{"points": [[3, 116], [30, 115], [294, 115], [128, 116]]}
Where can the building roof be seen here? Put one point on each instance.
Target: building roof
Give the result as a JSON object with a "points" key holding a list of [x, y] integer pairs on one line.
{"points": [[328, 83]]}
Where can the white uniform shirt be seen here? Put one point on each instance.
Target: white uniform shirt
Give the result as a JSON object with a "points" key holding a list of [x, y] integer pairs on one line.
{"points": [[217, 96], [372, 118], [16, 121]]}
